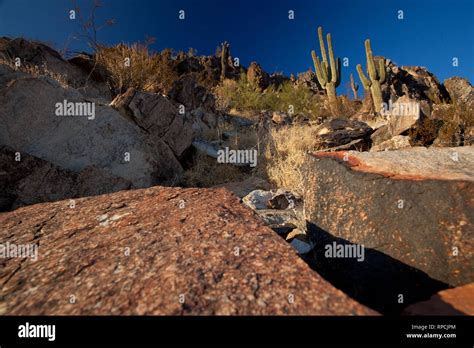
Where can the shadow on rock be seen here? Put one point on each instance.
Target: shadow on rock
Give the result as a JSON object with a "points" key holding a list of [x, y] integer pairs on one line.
{"points": [[375, 279]]}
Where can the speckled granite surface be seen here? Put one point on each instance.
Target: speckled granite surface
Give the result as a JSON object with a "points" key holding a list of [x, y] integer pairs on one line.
{"points": [[158, 251], [415, 206]]}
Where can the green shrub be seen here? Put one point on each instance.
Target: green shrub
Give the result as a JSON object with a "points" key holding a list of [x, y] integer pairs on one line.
{"points": [[240, 95]]}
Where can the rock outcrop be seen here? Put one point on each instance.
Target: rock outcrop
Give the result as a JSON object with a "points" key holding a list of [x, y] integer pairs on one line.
{"points": [[461, 91], [308, 79], [395, 143], [94, 134], [257, 77], [411, 210], [407, 118], [413, 81], [188, 92], [39, 57], [340, 132], [165, 251], [158, 117]]}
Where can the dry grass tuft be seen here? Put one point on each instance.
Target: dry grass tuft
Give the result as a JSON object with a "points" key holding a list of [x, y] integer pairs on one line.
{"points": [[207, 172], [37, 71], [285, 154]]}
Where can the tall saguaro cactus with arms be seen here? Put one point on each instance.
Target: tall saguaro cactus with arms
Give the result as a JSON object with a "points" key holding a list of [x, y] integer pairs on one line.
{"points": [[376, 76], [328, 73]]}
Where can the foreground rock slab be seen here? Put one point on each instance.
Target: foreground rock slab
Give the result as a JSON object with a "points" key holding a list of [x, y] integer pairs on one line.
{"points": [[157, 251], [412, 209], [457, 301]]}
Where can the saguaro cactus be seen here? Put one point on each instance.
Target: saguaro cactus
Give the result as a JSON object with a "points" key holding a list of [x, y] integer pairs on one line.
{"points": [[224, 59], [376, 77], [328, 73], [355, 87]]}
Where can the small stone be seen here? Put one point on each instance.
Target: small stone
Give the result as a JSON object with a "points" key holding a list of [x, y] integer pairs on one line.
{"points": [[301, 246], [257, 199]]}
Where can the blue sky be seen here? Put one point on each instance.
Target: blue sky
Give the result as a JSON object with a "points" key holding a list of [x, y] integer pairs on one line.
{"points": [[431, 33]]}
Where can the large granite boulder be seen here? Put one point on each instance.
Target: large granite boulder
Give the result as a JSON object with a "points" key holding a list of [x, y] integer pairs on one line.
{"points": [[158, 116], [412, 211], [157, 251], [404, 116], [31, 119]]}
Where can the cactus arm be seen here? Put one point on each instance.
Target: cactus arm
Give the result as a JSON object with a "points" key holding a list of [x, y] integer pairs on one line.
{"points": [[377, 75], [382, 74], [370, 61], [315, 61], [319, 70], [334, 71], [323, 49], [364, 80]]}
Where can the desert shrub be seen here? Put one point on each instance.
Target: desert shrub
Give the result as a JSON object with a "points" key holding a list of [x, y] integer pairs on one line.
{"points": [[461, 113], [450, 134], [299, 97], [206, 172], [241, 96], [425, 133], [147, 71], [237, 95], [285, 154], [349, 107], [245, 97], [224, 94]]}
